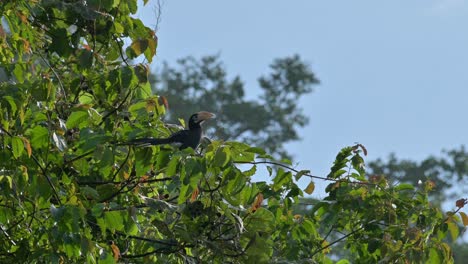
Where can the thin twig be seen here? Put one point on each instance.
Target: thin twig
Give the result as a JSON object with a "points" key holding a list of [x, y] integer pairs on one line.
{"points": [[79, 157], [338, 240], [118, 106], [305, 174], [55, 73], [122, 182], [48, 179]]}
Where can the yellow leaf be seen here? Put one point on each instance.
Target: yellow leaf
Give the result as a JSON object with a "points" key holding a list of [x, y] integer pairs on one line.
{"points": [[150, 105], [464, 218], [326, 247], [310, 188], [27, 145]]}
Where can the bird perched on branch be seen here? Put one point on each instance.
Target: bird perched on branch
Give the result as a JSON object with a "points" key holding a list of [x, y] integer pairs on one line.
{"points": [[187, 138]]}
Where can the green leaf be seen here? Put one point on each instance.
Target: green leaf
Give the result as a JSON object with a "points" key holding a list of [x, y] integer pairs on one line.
{"points": [[106, 190], [343, 261], [281, 179], [89, 192], [404, 186], [453, 229], [250, 172], [301, 173], [8, 179], [12, 103], [138, 110], [338, 173], [106, 161], [17, 146], [222, 157], [118, 27], [374, 244], [358, 164], [129, 78], [60, 42], [434, 257], [78, 119], [262, 220], [114, 220], [39, 136], [172, 166], [19, 73], [270, 170], [85, 59], [143, 160]]}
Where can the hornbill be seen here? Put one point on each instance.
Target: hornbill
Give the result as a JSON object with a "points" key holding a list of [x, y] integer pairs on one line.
{"points": [[187, 138]]}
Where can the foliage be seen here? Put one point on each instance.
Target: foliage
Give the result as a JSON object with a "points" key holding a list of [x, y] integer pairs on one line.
{"points": [[69, 194], [203, 84], [447, 172]]}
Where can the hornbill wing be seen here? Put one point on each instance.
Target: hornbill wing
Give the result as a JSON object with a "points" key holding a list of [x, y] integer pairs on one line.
{"points": [[185, 138]]}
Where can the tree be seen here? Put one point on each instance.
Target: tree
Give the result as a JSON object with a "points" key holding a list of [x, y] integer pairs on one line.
{"points": [[69, 194], [203, 84], [443, 171]]}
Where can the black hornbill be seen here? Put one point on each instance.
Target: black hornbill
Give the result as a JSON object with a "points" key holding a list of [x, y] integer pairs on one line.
{"points": [[187, 138]]}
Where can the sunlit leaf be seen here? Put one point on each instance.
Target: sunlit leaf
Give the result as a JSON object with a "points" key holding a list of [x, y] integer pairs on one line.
{"points": [[114, 220], [310, 188], [250, 172], [404, 186], [17, 146], [77, 119], [453, 229], [12, 103], [39, 136], [464, 218], [301, 173], [434, 257]]}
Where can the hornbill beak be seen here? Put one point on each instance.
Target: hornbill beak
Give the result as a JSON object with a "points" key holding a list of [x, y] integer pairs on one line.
{"points": [[203, 116]]}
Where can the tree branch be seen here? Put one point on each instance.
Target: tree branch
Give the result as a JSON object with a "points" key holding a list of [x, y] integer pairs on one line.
{"points": [[336, 241]]}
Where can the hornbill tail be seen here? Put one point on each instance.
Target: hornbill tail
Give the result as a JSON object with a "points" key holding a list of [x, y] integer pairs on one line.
{"points": [[143, 142]]}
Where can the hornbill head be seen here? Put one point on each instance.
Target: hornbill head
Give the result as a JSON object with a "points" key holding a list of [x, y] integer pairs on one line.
{"points": [[198, 118]]}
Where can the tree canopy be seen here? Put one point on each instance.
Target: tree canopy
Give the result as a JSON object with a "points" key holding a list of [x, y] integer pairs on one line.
{"points": [[68, 193]]}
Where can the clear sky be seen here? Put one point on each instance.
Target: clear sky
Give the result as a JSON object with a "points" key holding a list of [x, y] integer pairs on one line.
{"points": [[393, 74]]}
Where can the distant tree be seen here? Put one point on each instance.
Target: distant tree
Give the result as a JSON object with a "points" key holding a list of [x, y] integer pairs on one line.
{"points": [[446, 171], [268, 122]]}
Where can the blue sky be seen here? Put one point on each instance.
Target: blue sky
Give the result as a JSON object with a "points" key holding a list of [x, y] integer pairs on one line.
{"points": [[393, 73]]}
